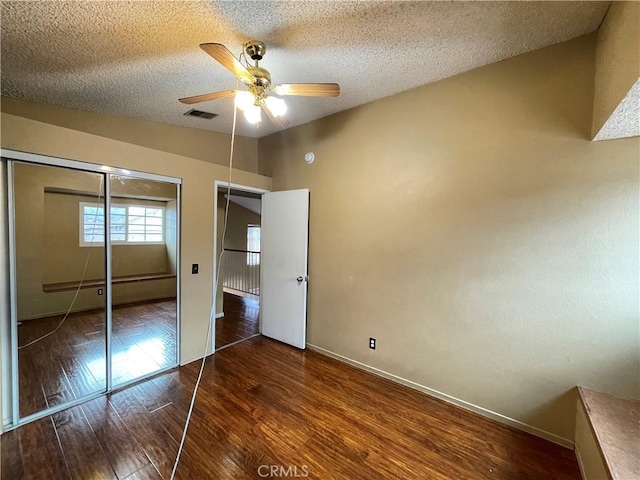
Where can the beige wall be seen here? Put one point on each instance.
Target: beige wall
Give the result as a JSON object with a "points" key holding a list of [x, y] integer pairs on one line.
{"points": [[617, 59], [202, 145], [171, 217], [239, 219], [32, 254], [198, 177], [473, 228]]}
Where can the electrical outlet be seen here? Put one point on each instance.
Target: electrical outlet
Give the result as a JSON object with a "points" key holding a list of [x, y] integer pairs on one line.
{"points": [[372, 343], [194, 269], [100, 291]]}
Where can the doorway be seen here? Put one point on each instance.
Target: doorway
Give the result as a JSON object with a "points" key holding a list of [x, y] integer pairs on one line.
{"points": [[238, 291], [94, 276]]}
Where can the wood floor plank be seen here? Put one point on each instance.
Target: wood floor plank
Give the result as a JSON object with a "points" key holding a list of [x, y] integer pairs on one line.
{"points": [[32, 397], [240, 320], [156, 442], [80, 378], [198, 457], [83, 452], [331, 412], [145, 473], [42, 455], [11, 464], [151, 396], [175, 386], [70, 363], [124, 453], [264, 405]]}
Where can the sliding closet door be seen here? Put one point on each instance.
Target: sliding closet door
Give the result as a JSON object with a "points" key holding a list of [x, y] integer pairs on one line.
{"points": [[93, 281], [59, 270], [144, 226]]}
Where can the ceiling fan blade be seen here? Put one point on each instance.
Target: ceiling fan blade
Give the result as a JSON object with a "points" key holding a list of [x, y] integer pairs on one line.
{"points": [[308, 89], [222, 55], [277, 121], [207, 97]]}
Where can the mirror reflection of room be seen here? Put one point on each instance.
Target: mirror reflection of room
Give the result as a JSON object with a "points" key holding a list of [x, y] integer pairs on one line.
{"points": [[61, 287], [144, 266], [238, 299], [58, 362]]}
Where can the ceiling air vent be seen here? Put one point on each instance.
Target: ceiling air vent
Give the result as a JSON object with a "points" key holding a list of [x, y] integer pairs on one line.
{"points": [[201, 114]]}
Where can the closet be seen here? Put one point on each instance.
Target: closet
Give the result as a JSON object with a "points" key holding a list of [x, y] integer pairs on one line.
{"points": [[90, 281]]}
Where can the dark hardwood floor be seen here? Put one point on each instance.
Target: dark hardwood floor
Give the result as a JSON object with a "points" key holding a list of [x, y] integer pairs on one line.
{"points": [[264, 404], [240, 320], [70, 364]]}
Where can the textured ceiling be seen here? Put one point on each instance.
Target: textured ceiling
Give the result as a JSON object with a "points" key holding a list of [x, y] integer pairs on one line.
{"points": [[136, 59], [625, 119]]}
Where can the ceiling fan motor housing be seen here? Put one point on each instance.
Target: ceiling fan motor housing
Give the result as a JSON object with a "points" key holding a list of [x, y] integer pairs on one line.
{"points": [[255, 49], [262, 76]]}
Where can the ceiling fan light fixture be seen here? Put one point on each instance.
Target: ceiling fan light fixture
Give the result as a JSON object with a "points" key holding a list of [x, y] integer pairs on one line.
{"points": [[258, 85], [277, 106], [253, 114], [244, 100]]}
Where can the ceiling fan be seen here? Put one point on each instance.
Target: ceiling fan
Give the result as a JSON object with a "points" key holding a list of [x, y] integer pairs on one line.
{"points": [[258, 80]]}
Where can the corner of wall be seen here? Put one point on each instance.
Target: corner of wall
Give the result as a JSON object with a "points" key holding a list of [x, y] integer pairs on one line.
{"points": [[617, 69]]}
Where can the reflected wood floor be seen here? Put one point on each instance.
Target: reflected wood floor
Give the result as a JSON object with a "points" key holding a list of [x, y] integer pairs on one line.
{"points": [[70, 363], [264, 403], [240, 320]]}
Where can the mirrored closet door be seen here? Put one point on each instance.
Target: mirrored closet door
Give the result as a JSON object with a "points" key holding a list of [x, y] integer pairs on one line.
{"points": [[59, 276], [94, 269], [144, 272]]}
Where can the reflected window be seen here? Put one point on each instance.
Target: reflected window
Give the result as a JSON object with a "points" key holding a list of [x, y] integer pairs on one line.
{"points": [[130, 224]]}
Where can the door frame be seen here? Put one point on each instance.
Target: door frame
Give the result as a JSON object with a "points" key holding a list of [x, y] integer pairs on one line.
{"points": [[219, 185], [11, 398]]}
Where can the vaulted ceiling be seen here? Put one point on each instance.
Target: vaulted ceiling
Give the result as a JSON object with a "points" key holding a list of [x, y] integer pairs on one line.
{"points": [[136, 59]]}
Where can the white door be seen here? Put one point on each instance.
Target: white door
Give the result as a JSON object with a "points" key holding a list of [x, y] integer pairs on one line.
{"points": [[283, 290]]}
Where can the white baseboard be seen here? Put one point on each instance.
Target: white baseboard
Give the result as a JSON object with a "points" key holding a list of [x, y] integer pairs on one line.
{"points": [[450, 399], [219, 315], [580, 464], [240, 293]]}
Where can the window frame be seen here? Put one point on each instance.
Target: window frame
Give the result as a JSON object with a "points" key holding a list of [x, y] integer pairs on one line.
{"points": [[81, 224]]}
